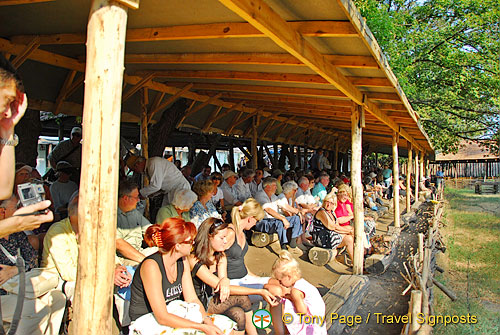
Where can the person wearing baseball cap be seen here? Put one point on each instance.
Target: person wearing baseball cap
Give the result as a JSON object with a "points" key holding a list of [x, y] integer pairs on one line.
{"points": [[70, 151], [229, 190]]}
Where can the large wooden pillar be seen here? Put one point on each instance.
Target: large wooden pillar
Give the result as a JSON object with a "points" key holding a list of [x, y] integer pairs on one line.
{"points": [[417, 153], [335, 163], [422, 175], [231, 155], [408, 176], [255, 124], [395, 176], [145, 140], [99, 179], [357, 189]]}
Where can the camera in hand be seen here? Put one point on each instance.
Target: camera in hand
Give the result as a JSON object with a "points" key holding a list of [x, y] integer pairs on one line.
{"points": [[31, 193]]}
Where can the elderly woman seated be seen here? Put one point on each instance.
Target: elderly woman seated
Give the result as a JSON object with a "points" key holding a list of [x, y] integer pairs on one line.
{"points": [[203, 208], [344, 213], [179, 208], [327, 231]]}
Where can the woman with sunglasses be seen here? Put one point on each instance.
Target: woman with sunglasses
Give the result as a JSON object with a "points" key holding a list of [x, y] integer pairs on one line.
{"points": [[327, 232], [209, 270], [163, 298]]}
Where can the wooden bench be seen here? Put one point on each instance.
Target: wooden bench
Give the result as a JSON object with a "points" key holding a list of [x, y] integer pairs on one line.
{"points": [[321, 256], [343, 300], [261, 240], [486, 187]]}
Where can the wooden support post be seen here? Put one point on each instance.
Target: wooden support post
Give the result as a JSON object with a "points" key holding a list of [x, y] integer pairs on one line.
{"points": [[357, 189], [255, 125], [275, 156], [93, 297], [336, 156], [408, 177], [231, 155], [216, 161], [174, 154], [420, 248], [422, 172], [145, 140], [60, 132], [417, 153], [395, 177], [299, 157], [416, 308]]}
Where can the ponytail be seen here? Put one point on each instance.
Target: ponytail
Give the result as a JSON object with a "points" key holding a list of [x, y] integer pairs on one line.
{"points": [[167, 234]]}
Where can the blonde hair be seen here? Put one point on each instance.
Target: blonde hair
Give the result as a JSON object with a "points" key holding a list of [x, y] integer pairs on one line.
{"points": [[249, 208], [286, 265], [330, 197], [345, 188]]}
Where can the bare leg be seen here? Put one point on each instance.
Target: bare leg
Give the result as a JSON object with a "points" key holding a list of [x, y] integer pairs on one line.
{"points": [[277, 314], [348, 242], [249, 326]]}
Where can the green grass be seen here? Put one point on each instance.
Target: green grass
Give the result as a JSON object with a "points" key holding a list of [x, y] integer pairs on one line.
{"points": [[472, 262]]}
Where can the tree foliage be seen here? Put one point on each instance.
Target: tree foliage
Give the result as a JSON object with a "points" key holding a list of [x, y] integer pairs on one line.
{"points": [[445, 54]]}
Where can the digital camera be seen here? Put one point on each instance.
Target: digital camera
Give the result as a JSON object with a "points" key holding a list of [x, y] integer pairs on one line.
{"points": [[31, 193]]}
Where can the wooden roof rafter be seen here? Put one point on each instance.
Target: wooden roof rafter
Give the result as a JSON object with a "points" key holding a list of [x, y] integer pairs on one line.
{"points": [[363, 62], [264, 76], [261, 16], [201, 31]]}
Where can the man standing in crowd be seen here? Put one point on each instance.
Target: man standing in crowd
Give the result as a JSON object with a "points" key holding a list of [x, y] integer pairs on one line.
{"points": [[387, 175], [131, 226], [163, 176], [69, 151]]}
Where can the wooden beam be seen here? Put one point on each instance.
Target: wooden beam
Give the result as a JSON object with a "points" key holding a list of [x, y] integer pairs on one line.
{"points": [[98, 196], [246, 58], [236, 106], [170, 100], [63, 91], [395, 177], [156, 103], [357, 190], [266, 129], [255, 125], [307, 92], [209, 121], [266, 76], [30, 48], [286, 99], [200, 106], [408, 178], [261, 16], [137, 87], [230, 128], [244, 118], [204, 31], [21, 2], [244, 151]]}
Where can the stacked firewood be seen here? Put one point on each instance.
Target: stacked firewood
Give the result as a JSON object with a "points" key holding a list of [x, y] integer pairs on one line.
{"points": [[419, 273]]}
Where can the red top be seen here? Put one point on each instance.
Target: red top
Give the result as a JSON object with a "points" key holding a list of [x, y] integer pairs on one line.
{"points": [[341, 210]]}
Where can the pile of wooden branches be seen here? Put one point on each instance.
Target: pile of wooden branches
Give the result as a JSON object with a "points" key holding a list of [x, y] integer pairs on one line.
{"points": [[419, 273]]}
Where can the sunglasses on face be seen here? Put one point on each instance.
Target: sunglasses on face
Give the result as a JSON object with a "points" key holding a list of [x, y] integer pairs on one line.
{"points": [[216, 224]]}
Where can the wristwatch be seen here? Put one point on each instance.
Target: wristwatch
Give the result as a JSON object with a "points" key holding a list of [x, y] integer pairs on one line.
{"points": [[13, 142]]}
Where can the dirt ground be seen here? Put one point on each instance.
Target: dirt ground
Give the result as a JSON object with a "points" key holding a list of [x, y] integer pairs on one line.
{"points": [[384, 295]]}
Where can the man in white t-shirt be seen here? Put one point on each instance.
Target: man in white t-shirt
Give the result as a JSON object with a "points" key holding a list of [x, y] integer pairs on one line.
{"points": [[288, 228], [304, 197], [229, 190]]}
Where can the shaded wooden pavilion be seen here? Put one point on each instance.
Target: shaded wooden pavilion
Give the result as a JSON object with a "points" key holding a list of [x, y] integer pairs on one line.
{"points": [[471, 161], [301, 73]]}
